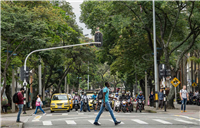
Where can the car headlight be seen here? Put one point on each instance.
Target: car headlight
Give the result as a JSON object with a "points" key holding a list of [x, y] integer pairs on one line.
{"points": [[52, 104], [65, 103]]}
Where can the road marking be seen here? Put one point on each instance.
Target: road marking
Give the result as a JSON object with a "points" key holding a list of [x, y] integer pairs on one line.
{"points": [[49, 115], [91, 121], [139, 121], [37, 118], [47, 123], [64, 114], [185, 121], [187, 117], [70, 122], [162, 121], [120, 123], [80, 113]]}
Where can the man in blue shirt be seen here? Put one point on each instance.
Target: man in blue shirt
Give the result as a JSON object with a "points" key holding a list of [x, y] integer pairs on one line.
{"points": [[105, 102], [160, 98], [94, 96]]}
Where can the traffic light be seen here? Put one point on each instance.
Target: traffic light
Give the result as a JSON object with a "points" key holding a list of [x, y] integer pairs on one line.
{"points": [[168, 72], [98, 38], [26, 74], [162, 69]]}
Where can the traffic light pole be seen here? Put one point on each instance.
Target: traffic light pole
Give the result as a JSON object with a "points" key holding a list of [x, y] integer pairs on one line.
{"points": [[46, 49]]}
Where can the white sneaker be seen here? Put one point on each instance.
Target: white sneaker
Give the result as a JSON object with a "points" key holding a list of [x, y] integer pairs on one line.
{"points": [[44, 114], [33, 114]]}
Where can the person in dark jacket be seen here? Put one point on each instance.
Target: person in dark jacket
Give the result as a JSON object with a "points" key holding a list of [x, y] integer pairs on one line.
{"points": [[20, 103], [151, 99]]}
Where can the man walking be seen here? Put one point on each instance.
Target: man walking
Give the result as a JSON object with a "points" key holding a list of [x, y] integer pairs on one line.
{"points": [[184, 97], [105, 102], [20, 103], [160, 98]]}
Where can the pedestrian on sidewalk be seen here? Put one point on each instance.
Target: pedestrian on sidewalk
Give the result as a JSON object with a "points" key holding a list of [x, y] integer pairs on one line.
{"points": [[151, 99], [39, 105], [105, 102], [160, 98], [184, 97], [20, 103]]}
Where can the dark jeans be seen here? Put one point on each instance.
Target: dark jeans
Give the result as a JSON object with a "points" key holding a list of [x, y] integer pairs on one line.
{"points": [[82, 106], [161, 103], [184, 101], [19, 112], [151, 102]]}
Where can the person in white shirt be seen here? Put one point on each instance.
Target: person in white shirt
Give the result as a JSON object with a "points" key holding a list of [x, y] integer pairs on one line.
{"points": [[196, 93], [39, 105], [184, 97]]}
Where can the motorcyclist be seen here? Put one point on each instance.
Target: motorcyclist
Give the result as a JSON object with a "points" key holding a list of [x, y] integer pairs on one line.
{"points": [[117, 98], [140, 96], [86, 98], [121, 98], [127, 98], [76, 97], [94, 97]]}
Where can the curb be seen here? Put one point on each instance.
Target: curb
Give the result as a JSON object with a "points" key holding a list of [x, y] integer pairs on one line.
{"points": [[150, 111], [21, 125]]}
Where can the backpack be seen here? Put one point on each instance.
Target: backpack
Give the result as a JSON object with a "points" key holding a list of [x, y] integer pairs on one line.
{"points": [[100, 94], [15, 98]]}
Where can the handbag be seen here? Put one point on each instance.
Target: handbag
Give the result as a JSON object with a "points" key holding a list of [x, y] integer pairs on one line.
{"points": [[37, 103], [148, 102]]}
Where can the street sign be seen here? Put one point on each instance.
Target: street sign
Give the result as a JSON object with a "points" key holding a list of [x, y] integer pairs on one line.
{"points": [[175, 82], [194, 84]]}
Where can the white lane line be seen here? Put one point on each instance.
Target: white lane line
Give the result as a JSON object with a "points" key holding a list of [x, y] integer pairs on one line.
{"points": [[49, 115], [64, 114], [139, 121], [80, 113], [187, 117], [47, 123], [120, 123], [70, 122], [185, 121], [162, 121]]}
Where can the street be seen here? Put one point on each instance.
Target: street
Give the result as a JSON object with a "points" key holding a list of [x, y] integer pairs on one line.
{"points": [[84, 120]]}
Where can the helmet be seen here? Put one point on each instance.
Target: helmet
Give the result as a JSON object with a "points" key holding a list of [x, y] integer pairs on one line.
{"points": [[95, 92], [127, 92], [84, 92], [116, 93], [76, 93], [140, 92]]}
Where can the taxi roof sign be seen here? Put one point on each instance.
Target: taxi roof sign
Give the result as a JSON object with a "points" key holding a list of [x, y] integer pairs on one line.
{"points": [[175, 82]]}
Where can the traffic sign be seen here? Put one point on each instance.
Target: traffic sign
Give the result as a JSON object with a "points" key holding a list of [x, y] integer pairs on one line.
{"points": [[194, 84], [175, 82]]}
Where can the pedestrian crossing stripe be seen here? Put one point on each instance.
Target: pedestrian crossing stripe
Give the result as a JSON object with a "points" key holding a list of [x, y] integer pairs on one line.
{"points": [[120, 123], [185, 121], [49, 115], [65, 114], [162, 121], [47, 123], [187, 117], [139, 121], [70, 122]]}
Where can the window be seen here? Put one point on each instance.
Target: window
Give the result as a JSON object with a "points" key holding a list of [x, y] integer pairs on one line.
{"points": [[59, 97]]}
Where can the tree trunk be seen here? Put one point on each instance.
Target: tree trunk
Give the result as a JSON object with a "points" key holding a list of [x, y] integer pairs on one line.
{"points": [[8, 94]]}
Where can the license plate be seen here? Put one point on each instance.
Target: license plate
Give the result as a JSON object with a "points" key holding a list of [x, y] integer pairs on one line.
{"points": [[59, 106]]}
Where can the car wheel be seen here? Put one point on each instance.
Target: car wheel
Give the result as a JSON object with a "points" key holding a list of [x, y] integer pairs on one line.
{"points": [[51, 111], [68, 110]]}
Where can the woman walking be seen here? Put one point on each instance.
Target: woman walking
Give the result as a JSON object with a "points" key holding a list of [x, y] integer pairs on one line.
{"points": [[39, 105]]}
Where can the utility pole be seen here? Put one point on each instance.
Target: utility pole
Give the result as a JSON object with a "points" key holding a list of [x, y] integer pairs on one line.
{"points": [[40, 75], [146, 93], [88, 76], [66, 83], [13, 88], [135, 87], [155, 52]]}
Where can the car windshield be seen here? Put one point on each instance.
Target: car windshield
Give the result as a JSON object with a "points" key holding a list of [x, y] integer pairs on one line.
{"points": [[59, 97]]}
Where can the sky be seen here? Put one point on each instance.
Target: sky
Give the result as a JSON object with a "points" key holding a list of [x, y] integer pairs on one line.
{"points": [[77, 11]]}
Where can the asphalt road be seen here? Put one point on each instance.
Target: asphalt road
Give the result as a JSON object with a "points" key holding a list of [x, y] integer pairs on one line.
{"points": [[85, 120]]}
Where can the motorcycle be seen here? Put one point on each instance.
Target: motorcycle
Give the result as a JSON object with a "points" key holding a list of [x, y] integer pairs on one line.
{"points": [[117, 105], [130, 105], [76, 104], [140, 105], [123, 106], [94, 104], [99, 105], [194, 100], [85, 107]]}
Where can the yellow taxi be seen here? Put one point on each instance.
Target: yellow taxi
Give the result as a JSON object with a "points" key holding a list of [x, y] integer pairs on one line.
{"points": [[70, 101], [59, 102]]}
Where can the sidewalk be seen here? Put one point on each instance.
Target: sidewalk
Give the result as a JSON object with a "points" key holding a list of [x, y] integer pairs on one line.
{"points": [[177, 110], [9, 120]]}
